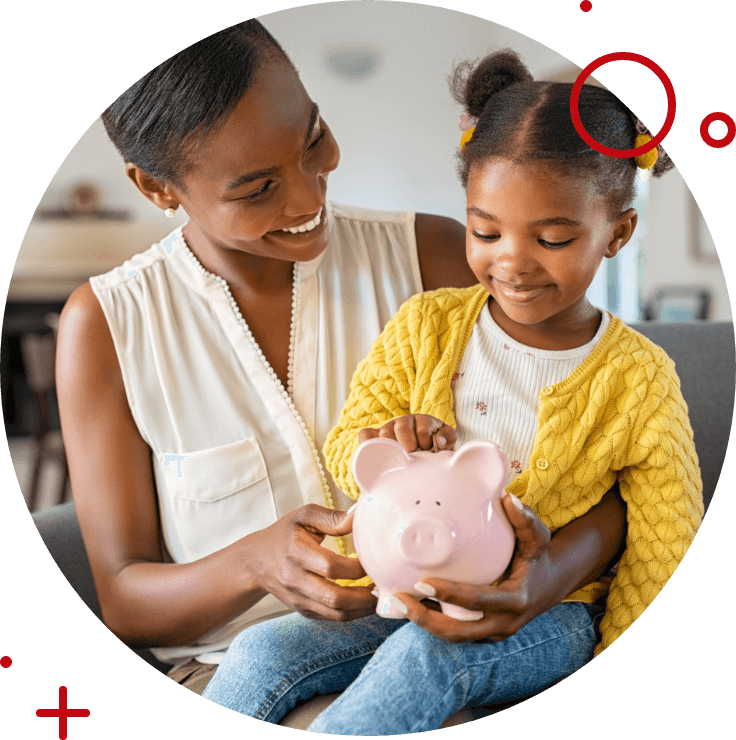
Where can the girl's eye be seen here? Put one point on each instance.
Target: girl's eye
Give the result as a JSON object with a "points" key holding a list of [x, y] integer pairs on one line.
{"points": [[555, 245], [485, 237], [543, 242]]}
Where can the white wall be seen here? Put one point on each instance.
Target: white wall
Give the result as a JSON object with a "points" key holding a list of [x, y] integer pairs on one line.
{"points": [[398, 132]]}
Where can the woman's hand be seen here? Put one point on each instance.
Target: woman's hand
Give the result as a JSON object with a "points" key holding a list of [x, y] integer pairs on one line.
{"points": [[287, 560], [415, 432], [528, 588]]}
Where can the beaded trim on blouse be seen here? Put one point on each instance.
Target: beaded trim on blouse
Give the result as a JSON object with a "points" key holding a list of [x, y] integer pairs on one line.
{"points": [[329, 500]]}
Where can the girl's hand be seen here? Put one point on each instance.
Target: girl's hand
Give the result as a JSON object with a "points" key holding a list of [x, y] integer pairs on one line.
{"points": [[415, 432], [526, 591]]}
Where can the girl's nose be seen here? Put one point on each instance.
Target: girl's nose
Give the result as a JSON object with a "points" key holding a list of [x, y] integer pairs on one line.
{"points": [[513, 256]]}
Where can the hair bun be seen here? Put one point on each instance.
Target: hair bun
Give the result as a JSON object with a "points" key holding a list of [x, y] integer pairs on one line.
{"points": [[473, 83]]}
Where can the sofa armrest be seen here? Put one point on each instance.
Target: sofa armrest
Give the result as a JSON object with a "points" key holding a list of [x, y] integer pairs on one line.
{"points": [[60, 533], [59, 530]]}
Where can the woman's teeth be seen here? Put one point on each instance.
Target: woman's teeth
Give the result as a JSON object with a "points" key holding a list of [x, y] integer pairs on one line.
{"points": [[313, 224]]}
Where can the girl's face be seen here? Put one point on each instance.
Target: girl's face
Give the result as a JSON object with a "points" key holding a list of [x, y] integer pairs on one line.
{"points": [[263, 171], [535, 240]]}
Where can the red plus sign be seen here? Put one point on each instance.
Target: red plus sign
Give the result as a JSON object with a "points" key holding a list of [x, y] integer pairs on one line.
{"points": [[62, 713]]}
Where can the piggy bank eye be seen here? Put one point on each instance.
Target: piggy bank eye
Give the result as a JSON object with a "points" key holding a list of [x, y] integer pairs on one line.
{"points": [[438, 503], [418, 501]]}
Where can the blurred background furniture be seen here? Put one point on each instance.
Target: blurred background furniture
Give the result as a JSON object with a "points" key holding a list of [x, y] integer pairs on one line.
{"points": [[29, 401], [704, 354], [39, 354], [678, 303]]}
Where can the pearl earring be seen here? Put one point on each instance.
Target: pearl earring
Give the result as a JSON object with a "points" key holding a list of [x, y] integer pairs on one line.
{"points": [[169, 212]]}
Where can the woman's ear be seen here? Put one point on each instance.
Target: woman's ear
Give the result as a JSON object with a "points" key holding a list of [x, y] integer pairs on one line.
{"points": [[623, 229], [159, 193]]}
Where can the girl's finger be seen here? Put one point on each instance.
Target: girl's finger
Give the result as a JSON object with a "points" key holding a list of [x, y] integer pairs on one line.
{"points": [[367, 433], [489, 599], [406, 433], [445, 438], [433, 434]]}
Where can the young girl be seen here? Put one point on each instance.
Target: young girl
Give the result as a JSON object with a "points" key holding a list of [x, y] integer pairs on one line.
{"points": [[577, 400]]}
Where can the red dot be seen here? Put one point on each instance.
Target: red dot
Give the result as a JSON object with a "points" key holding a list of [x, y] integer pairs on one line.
{"points": [[6, 662], [586, 5]]}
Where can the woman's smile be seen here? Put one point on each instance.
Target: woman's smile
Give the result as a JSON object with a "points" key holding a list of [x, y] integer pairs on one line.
{"points": [[304, 227], [304, 234]]}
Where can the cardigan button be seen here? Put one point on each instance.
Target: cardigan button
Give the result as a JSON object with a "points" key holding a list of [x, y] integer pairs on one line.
{"points": [[542, 464], [546, 391]]}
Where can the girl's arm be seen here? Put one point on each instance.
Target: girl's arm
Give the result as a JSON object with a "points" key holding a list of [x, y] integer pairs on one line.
{"points": [[380, 390], [663, 491], [544, 570]]}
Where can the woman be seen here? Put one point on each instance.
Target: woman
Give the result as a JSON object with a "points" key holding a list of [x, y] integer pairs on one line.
{"points": [[198, 381]]}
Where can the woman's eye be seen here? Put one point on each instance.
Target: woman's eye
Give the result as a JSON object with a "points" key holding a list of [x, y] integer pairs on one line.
{"points": [[316, 142], [254, 196]]}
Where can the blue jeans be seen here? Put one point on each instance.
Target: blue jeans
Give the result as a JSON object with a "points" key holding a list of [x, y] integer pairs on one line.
{"points": [[396, 677]]}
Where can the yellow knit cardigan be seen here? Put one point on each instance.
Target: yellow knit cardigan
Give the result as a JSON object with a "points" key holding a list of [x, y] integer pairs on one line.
{"points": [[619, 417]]}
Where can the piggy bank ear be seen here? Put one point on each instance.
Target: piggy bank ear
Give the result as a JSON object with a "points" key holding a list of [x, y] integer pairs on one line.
{"points": [[376, 457], [484, 462]]}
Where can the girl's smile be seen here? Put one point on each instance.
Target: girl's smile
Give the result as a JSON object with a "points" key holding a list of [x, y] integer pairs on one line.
{"points": [[535, 240]]}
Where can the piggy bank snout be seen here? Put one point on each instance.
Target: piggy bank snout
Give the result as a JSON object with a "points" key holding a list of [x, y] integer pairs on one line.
{"points": [[425, 542]]}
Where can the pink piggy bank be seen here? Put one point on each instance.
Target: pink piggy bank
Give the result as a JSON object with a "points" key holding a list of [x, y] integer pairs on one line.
{"points": [[427, 514]]}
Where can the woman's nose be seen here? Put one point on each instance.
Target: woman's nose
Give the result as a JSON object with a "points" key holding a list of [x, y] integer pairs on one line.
{"points": [[309, 187], [306, 194]]}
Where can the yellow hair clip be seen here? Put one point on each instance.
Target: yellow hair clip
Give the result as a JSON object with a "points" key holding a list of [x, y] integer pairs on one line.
{"points": [[466, 137], [649, 159]]}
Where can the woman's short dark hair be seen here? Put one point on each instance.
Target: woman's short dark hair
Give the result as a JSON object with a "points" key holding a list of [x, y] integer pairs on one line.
{"points": [[157, 123], [524, 120]]}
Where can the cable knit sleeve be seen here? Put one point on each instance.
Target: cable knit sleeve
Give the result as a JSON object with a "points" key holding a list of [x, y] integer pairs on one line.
{"points": [[379, 391], [662, 488]]}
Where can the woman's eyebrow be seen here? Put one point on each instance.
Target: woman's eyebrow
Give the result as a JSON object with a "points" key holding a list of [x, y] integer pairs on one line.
{"points": [[260, 174], [554, 221]]}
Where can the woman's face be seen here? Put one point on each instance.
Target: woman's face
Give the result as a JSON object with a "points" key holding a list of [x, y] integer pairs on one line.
{"points": [[264, 171]]}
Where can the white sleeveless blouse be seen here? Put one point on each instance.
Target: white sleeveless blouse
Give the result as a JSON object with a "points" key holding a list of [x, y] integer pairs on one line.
{"points": [[232, 450]]}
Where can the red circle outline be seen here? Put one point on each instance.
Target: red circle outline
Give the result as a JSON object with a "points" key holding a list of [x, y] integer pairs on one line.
{"points": [[730, 133], [626, 56]]}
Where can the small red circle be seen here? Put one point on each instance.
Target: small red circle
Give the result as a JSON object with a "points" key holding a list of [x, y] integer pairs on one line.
{"points": [[586, 5], [6, 662], [730, 132], [628, 57]]}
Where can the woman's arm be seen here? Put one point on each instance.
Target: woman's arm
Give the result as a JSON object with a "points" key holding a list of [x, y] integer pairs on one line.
{"points": [[143, 599], [441, 250]]}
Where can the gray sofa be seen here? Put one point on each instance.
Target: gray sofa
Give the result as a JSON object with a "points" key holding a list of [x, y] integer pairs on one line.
{"points": [[704, 355]]}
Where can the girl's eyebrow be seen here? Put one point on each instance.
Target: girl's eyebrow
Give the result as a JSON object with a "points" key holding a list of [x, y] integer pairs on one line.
{"points": [[260, 174], [554, 221]]}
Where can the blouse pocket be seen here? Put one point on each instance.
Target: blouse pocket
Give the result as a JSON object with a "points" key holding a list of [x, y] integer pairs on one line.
{"points": [[213, 497]]}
